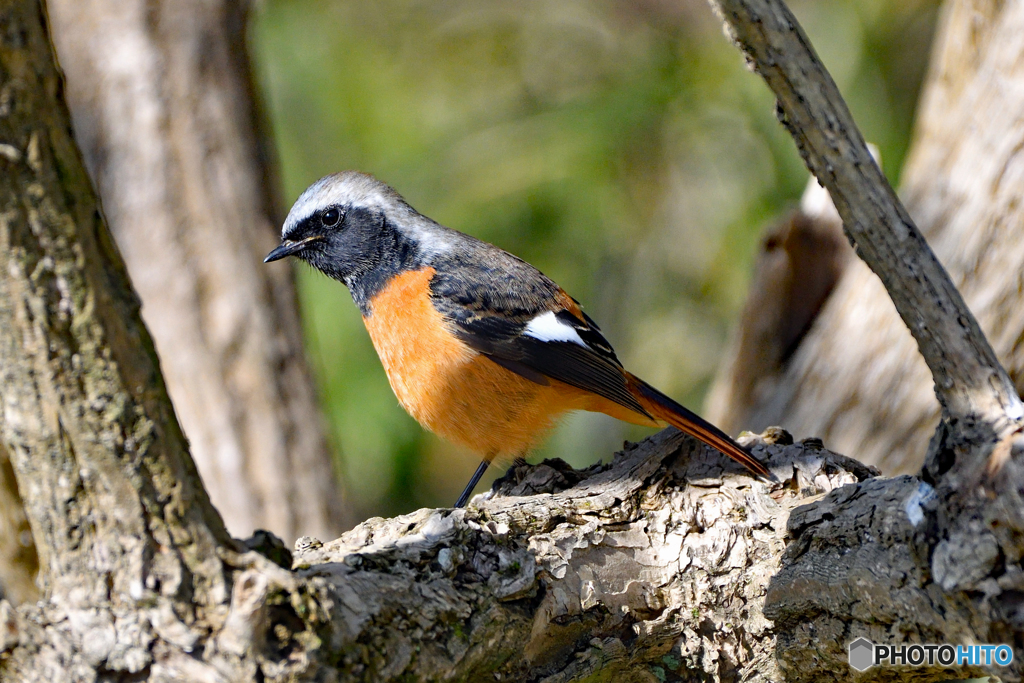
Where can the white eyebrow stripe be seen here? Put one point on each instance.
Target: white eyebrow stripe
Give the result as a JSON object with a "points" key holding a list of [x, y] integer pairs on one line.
{"points": [[349, 191], [547, 328]]}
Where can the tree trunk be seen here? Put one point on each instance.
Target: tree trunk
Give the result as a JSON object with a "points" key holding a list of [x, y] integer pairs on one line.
{"points": [[120, 519], [163, 106], [962, 184], [666, 564]]}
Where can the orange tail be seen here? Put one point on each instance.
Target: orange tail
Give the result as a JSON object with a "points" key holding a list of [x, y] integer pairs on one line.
{"points": [[663, 408]]}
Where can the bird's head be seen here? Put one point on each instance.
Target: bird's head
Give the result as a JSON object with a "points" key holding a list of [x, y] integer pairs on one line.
{"points": [[343, 225]]}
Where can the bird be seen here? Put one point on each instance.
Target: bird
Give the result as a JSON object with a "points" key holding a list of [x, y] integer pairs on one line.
{"points": [[479, 346]]}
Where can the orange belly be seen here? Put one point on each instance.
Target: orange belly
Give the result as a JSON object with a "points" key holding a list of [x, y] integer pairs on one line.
{"points": [[451, 389]]}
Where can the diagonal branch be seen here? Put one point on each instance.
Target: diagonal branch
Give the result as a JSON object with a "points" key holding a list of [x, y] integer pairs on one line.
{"points": [[970, 383]]}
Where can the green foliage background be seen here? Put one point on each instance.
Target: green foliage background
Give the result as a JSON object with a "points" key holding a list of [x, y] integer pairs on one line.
{"points": [[619, 145]]}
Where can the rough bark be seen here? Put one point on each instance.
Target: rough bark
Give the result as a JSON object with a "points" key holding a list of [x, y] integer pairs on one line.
{"points": [[653, 567], [117, 511], [961, 184], [140, 578], [667, 564], [164, 110]]}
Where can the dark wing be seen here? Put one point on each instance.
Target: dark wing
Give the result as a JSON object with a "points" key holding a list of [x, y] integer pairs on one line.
{"points": [[489, 300]]}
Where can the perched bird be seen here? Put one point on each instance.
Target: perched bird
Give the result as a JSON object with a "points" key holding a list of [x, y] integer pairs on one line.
{"points": [[479, 346]]}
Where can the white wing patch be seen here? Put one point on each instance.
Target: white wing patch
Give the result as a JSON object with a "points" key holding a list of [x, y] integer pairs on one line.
{"points": [[546, 327]]}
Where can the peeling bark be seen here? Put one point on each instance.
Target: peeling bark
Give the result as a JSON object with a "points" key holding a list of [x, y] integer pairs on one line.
{"points": [[654, 567]]}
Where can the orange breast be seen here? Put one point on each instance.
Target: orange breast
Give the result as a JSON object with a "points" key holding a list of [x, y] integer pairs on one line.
{"points": [[451, 389]]}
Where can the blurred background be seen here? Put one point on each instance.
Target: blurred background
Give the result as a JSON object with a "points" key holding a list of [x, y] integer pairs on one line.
{"points": [[621, 146]]}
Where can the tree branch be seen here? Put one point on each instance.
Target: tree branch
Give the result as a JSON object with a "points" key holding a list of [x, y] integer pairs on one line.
{"points": [[659, 566], [970, 384], [895, 560], [655, 563]]}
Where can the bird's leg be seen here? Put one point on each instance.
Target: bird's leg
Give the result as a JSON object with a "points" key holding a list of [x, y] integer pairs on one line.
{"points": [[464, 498]]}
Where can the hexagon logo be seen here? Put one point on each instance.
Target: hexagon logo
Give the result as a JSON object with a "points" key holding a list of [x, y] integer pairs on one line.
{"points": [[862, 654]]}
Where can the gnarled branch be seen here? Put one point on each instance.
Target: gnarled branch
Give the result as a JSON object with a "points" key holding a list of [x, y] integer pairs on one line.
{"points": [[970, 383]]}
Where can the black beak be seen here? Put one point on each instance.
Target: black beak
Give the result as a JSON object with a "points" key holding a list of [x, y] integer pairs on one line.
{"points": [[288, 248]]}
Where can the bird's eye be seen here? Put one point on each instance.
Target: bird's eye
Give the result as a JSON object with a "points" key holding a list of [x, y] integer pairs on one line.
{"points": [[330, 218]]}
